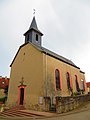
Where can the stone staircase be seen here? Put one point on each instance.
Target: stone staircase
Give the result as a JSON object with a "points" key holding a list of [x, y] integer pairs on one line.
{"points": [[17, 111]]}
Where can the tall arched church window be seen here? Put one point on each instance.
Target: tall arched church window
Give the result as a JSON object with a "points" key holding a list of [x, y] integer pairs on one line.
{"points": [[82, 85], [57, 77], [77, 85], [68, 80]]}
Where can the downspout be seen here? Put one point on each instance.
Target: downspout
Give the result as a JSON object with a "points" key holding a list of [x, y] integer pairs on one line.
{"points": [[46, 75]]}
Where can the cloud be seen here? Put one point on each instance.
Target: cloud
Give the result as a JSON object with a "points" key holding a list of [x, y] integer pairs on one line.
{"points": [[74, 17]]}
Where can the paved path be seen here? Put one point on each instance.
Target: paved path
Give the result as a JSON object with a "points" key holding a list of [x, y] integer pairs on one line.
{"points": [[77, 116]]}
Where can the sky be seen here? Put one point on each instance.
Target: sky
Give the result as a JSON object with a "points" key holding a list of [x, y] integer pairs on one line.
{"points": [[64, 23]]}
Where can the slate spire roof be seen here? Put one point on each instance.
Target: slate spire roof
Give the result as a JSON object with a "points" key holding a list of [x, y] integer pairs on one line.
{"points": [[34, 27], [33, 24]]}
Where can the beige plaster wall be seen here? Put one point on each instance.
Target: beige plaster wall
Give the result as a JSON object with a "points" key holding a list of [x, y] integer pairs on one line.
{"points": [[51, 64], [38, 71], [28, 64]]}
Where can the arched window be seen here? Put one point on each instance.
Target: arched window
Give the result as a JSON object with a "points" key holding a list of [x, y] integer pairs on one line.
{"points": [[27, 38], [36, 37], [68, 80], [77, 85], [82, 85], [57, 77]]}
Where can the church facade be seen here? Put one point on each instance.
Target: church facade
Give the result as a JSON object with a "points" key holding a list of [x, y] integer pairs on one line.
{"points": [[38, 74]]}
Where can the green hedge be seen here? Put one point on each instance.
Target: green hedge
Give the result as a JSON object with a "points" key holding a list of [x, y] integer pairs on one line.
{"points": [[2, 99]]}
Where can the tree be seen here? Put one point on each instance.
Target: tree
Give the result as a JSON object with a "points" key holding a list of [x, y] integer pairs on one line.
{"points": [[6, 90]]}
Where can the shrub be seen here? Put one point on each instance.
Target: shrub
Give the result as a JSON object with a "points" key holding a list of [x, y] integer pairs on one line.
{"points": [[2, 99]]}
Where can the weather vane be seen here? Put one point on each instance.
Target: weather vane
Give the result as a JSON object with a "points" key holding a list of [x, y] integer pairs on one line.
{"points": [[34, 11]]}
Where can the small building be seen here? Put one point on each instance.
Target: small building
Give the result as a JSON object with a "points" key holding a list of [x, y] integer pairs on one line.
{"points": [[39, 75], [4, 81], [88, 87]]}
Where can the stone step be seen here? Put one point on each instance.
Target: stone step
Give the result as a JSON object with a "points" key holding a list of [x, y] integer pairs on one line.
{"points": [[7, 114], [31, 113], [13, 111], [17, 113]]}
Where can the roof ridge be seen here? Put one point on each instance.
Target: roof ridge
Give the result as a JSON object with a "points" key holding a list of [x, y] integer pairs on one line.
{"points": [[57, 54], [50, 53]]}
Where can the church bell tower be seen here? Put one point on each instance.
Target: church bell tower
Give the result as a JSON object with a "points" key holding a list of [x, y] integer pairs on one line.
{"points": [[33, 35]]}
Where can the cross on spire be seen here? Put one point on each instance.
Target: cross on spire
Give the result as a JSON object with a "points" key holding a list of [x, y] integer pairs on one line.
{"points": [[34, 11], [22, 81]]}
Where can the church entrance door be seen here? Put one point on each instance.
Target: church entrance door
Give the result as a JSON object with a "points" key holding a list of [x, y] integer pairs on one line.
{"points": [[21, 96]]}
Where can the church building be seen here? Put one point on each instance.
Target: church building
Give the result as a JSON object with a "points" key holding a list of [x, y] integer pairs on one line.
{"points": [[38, 74]]}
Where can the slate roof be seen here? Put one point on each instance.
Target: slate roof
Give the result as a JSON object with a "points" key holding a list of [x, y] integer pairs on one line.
{"points": [[57, 56], [50, 53], [33, 24]]}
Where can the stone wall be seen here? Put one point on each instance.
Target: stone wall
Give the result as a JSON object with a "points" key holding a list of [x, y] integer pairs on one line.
{"points": [[65, 104]]}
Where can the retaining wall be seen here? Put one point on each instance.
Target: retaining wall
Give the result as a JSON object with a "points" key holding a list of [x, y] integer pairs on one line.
{"points": [[65, 104]]}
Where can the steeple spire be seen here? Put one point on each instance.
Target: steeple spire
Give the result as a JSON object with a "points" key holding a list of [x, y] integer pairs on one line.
{"points": [[33, 35], [33, 24]]}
